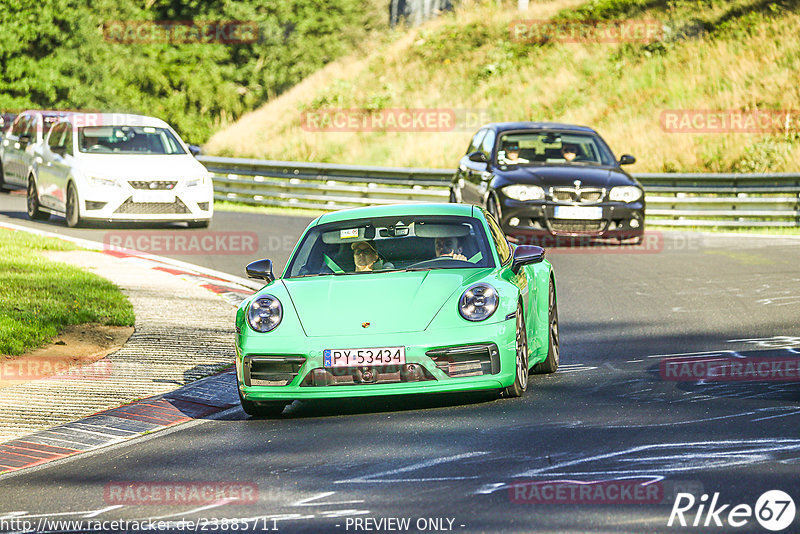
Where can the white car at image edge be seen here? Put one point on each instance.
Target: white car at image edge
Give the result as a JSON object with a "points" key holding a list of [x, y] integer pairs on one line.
{"points": [[118, 167]]}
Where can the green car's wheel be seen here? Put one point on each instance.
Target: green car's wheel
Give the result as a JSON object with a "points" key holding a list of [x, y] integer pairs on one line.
{"points": [[34, 209], [550, 364], [261, 409], [521, 379]]}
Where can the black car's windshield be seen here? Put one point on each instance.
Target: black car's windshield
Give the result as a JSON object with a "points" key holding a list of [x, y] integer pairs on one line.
{"points": [[537, 148], [390, 244], [128, 140]]}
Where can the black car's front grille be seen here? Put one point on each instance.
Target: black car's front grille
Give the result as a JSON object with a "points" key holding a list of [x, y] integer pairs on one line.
{"points": [[152, 208], [271, 370], [574, 225], [469, 360], [573, 194], [153, 185]]}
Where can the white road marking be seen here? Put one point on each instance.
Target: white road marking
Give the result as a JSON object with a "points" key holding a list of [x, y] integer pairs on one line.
{"points": [[307, 501], [103, 510], [414, 467]]}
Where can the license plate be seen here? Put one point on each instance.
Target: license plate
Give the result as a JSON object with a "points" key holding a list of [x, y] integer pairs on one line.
{"points": [[578, 212], [154, 196], [362, 357]]}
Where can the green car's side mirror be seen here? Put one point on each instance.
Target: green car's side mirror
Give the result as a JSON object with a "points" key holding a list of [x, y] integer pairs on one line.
{"points": [[261, 269], [526, 255]]}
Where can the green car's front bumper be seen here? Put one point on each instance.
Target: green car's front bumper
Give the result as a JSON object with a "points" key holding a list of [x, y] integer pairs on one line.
{"points": [[489, 363]]}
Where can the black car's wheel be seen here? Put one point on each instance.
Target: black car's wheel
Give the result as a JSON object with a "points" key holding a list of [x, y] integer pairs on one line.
{"points": [[2, 180], [521, 379], [273, 409], [453, 199], [73, 214], [550, 364], [34, 208]]}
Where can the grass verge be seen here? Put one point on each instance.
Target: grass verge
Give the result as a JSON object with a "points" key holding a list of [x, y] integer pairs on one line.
{"points": [[39, 297]]}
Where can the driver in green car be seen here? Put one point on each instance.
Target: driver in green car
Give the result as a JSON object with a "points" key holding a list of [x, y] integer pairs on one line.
{"points": [[449, 247], [364, 255]]}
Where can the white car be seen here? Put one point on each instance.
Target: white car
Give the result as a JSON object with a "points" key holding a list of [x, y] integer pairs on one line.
{"points": [[19, 144], [118, 167]]}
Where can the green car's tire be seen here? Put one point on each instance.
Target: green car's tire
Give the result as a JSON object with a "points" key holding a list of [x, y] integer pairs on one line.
{"points": [[550, 364], [34, 208], [521, 379], [273, 409]]}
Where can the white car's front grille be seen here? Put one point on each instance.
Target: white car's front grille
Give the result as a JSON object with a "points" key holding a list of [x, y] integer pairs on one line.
{"points": [[154, 185], [152, 208]]}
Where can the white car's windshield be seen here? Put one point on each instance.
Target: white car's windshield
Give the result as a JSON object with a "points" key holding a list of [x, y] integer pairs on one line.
{"points": [[392, 244], [128, 140]]}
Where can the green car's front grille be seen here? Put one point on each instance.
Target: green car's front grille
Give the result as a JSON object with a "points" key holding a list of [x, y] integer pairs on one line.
{"points": [[351, 376], [467, 360]]}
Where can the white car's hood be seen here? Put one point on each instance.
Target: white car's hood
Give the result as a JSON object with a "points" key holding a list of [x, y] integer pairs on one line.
{"points": [[141, 166]]}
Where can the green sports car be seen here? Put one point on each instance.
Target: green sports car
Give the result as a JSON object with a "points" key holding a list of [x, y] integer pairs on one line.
{"points": [[397, 299]]}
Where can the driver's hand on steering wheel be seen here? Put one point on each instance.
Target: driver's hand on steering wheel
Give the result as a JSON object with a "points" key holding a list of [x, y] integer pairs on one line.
{"points": [[454, 256]]}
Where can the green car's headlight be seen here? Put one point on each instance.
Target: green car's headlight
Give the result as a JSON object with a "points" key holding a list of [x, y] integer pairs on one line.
{"points": [[478, 302], [265, 313], [625, 193], [524, 192]]}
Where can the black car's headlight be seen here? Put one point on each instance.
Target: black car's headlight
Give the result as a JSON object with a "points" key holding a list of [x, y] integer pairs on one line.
{"points": [[264, 313], [478, 302], [524, 192], [625, 193]]}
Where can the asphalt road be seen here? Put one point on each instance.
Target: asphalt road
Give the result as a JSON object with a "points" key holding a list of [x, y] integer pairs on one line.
{"points": [[609, 418]]}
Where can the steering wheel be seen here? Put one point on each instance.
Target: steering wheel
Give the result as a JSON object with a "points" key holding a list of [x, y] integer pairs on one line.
{"points": [[442, 261]]}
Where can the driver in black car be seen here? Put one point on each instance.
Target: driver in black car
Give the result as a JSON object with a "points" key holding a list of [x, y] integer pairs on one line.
{"points": [[449, 247]]}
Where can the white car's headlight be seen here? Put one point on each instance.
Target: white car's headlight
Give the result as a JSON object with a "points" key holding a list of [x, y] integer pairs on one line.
{"points": [[478, 302], [264, 313], [524, 192], [103, 182], [625, 193]]}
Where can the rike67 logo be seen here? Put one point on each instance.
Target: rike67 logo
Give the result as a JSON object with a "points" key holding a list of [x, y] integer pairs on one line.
{"points": [[774, 510]]}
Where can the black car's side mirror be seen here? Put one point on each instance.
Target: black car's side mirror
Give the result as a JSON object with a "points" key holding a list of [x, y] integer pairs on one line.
{"points": [[261, 269], [526, 255], [195, 150], [627, 159], [477, 157]]}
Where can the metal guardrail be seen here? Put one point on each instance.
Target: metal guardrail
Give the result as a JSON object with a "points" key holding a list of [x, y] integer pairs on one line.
{"points": [[673, 199]]}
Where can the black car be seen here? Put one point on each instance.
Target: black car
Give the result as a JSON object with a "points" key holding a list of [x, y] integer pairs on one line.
{"points": [[546, 180]]}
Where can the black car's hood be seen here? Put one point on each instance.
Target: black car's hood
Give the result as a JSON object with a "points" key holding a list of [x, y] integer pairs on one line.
{"points": [[559, 175]]}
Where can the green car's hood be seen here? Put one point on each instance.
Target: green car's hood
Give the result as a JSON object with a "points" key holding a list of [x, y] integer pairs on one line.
{"points": [[389, 302]]}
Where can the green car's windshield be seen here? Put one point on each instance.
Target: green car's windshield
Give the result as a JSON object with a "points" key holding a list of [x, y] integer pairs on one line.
{"points": [[386, 244]]}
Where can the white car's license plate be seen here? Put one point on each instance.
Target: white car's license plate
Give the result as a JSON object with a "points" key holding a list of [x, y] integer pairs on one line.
{"points": [[360, 357], [154, 196], [578, 212]]}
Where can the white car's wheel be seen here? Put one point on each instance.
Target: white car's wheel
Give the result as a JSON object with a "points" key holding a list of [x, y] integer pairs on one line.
{"points": [[73, 214]]}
